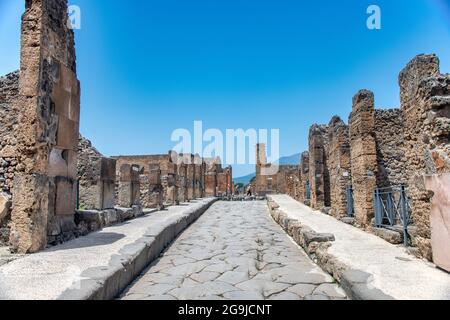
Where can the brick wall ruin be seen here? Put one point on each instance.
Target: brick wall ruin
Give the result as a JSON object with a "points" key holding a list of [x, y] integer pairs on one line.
{"points": [[385, 148], [425, 103], [279, 182], [46, 168]]}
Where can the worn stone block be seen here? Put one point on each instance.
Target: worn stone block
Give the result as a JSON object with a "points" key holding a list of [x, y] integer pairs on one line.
{"points": [[66, 196], [30, 213], [67, 136]]}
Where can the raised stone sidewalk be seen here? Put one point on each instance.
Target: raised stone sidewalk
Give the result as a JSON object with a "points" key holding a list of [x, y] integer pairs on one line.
{"points": [[99, 265], [366, 266]]}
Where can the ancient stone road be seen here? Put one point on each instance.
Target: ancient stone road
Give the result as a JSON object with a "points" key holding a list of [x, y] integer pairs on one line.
{"points": [[234, 251]]}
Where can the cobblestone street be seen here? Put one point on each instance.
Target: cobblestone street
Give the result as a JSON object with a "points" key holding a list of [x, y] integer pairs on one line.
{"points": [[234, 251]]}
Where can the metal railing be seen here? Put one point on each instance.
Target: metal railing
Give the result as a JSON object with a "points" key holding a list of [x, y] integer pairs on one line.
{"points": [[350, 203], [308, 191], [392, 208]]}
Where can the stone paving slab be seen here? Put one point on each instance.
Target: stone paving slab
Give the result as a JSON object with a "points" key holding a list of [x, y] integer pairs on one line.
{"points": [[367, 266], [235, 251], [101, 264]]}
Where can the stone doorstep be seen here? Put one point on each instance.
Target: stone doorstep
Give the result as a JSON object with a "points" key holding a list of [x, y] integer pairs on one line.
{"points": [[108, 281], [99, 219], [355, 283]]}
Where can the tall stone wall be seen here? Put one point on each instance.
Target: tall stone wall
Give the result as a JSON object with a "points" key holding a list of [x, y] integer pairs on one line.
{"points": [[47, 129], [339, 166], [9, 91], [425, 103], [389, 136], [363, 155], [318, 168]]}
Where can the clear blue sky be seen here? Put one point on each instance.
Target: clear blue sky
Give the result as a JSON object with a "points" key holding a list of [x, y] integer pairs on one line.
{"points": [[148, 67]]}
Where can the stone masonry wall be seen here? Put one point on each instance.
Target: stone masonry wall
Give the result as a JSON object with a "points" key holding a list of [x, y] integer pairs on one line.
{"points": [[390, 148], [339, 166], [9, 91]]}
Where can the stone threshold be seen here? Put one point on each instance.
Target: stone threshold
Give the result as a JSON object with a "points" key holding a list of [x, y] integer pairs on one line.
{"points": [[100, 265], [366, 266]]}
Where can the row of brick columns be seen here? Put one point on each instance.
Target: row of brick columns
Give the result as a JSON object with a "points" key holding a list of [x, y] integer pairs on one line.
{"points": [[383, 148]]}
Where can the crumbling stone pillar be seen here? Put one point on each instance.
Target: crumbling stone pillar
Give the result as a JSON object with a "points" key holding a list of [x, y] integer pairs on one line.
{"points": [[261, 182], [363, 155], [339, 166], [151, 188], [211, 184], [304, 185], [169, 179], [318, 170], [425, 103], [170, 190], [198, 176], [97, 184], [48, 123], [191, 179], [222, 181], [129, 186], [182, 175]]}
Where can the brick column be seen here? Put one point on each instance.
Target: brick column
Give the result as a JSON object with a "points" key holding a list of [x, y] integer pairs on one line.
{"points": [[318, 171], [339, 166], [363, 155]]}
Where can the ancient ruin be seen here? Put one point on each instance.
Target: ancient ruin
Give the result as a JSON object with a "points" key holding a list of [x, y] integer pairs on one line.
{"points": [[280, 181]]}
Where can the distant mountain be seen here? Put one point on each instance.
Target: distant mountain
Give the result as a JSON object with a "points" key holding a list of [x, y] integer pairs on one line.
{"points": [[245, 180], [290, 160]]}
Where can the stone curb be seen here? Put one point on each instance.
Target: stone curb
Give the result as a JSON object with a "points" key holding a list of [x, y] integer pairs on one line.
{"points": [[105, 283], [355, 283]]}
